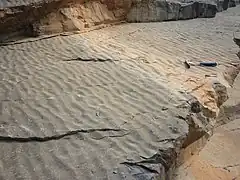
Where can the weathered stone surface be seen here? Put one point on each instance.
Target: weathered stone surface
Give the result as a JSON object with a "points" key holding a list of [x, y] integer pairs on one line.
{"points": [[54, 16], [159, 10], [37, 17], [70, 110]]}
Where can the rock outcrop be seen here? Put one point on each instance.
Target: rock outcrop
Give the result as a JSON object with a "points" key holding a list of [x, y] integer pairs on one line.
{"points": [[55, 16], [34, 18], [159, 10], [78, 113]]}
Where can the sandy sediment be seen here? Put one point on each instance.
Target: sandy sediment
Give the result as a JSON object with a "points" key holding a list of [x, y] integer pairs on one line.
{"points": [[110, 104]]}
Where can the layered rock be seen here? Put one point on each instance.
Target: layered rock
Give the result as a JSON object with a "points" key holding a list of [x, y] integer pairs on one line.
{"points": [[169, 10], [171, 119], [39, 17], [47, 17], [221, 5]]}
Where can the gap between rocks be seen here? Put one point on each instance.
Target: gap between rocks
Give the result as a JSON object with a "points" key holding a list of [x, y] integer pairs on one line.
{"points": [[10, 139]]}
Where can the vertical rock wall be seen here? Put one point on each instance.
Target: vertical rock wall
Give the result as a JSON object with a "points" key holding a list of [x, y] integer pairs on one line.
{"points": [[39, 17]]}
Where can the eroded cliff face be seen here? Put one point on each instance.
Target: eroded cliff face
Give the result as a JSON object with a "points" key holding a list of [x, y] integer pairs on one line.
{"points": [[48, 17], [40, 17], [155, 11]]}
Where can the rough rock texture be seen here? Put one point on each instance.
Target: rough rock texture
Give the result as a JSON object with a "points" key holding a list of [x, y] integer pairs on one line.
{"points": [[40, 17], [54, 16], [219, 159], [159, 10], [116, 103]]}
